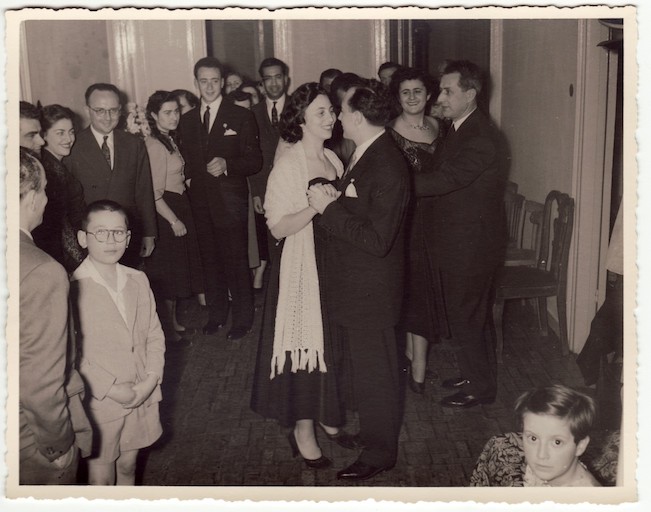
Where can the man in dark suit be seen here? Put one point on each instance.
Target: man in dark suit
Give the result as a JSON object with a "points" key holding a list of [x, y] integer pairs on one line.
{"points": [[365, 267], [113, 164], [219, 142], [275, 80], [274, 75], [467, 240], [47, 451], [30, 128]]}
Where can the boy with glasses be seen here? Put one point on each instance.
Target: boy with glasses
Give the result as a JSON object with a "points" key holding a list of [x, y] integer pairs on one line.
{"points": [[122, 346]]}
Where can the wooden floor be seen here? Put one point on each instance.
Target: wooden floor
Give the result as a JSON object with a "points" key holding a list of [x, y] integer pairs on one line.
{"points": [[211, 436]]}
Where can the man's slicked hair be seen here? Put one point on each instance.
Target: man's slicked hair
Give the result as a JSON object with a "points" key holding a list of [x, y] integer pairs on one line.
{"points": [[209, 62], [273, 61], [373, 101], [31, 172], [470, 74], [29, 111], [102, 87]]}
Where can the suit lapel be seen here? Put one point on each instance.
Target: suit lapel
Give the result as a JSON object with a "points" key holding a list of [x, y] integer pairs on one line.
{"points": [[131, 302], [93, 152]]}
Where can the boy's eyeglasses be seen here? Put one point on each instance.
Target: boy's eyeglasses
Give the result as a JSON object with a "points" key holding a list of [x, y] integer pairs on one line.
{"points": [[102, 235]]}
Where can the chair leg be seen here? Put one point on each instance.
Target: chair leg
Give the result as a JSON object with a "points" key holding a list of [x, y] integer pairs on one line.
{"points": [[498, 311], [542, 315], [562, 323]]}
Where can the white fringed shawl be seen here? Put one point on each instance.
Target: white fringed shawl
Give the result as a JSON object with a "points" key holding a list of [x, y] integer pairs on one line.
{"points": [[298, 325]]}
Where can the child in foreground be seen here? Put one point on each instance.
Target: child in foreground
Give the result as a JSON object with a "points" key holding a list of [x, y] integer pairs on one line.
{"points": [[556, 421], [554, 424], [122, 346]]}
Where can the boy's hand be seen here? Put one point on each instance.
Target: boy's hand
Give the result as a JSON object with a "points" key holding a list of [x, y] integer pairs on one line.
{"points": [[142, 390], [122, 393]]}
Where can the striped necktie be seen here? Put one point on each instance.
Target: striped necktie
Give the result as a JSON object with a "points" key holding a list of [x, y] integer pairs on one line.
{"points": [[106, 152], [274, 115]]}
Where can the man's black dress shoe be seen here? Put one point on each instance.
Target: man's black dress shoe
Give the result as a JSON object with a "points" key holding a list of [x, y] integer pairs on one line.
{"points": [[462, 400], [237, 333], [454, 383], [212, 327], [359, 470], [344, 439]]}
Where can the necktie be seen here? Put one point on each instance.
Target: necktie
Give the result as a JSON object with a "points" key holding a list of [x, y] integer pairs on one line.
{"points": [[206, 120], [351, 163], [106, 151], [274, 115]]}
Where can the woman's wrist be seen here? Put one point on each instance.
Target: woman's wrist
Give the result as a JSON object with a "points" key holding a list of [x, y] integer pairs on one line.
{"points": [[174, 223]]}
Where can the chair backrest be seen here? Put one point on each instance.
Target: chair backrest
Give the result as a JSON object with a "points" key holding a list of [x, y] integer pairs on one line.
{"points": [[530, 224], [513, 206], [556, 235], [511, 186]]}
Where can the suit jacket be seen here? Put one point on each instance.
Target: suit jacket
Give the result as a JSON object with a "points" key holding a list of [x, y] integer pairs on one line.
{"points": [[112, 351], [468, 227], [366, 244], [129, 183], [43, 414], [234, 137], [269, 137]]}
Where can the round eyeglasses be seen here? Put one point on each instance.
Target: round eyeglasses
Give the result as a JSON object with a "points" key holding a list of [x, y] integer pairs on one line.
{"points": [[102, 235], [103, 112]]}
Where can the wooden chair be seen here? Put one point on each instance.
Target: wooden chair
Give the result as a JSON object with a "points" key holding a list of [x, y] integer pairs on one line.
{"points": [[548, 278], [513, 206], [525, 252], [512, 186]]}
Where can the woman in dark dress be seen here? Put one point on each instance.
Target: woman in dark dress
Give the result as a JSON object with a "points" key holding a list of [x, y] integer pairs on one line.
{"points": [[417, 135], [296, 378], [57, 234], [174, 268]]}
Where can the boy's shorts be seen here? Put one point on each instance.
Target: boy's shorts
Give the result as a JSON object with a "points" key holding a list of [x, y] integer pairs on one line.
{"points": [[136, 430]]}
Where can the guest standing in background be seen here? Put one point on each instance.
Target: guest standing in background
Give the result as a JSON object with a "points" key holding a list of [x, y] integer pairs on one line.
{"points": [[365, 253], [232, 81], [386, 71], [417, 134], [249, 87], [57, 235], [467, 237], [275, 81], [327, 76], [342, 146], [30, 128], [296, 380], [113, 164], [219, 143], [186, 99], [174, 268]]}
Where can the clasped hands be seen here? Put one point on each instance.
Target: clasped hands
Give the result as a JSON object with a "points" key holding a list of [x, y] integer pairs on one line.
{"points": [[131, 395], [216, 167], [319, 196]]}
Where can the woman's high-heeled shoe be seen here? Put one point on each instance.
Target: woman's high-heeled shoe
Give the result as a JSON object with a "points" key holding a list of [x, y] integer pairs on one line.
{"points": [[343, 439], [320, 463], [416, 387]]}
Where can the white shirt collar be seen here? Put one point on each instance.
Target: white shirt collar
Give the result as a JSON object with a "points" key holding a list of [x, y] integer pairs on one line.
{"points": [[99, 137], [280, 103], [87, 269], [361, 149], [460, 121], [214, 106], [27, 233]]}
